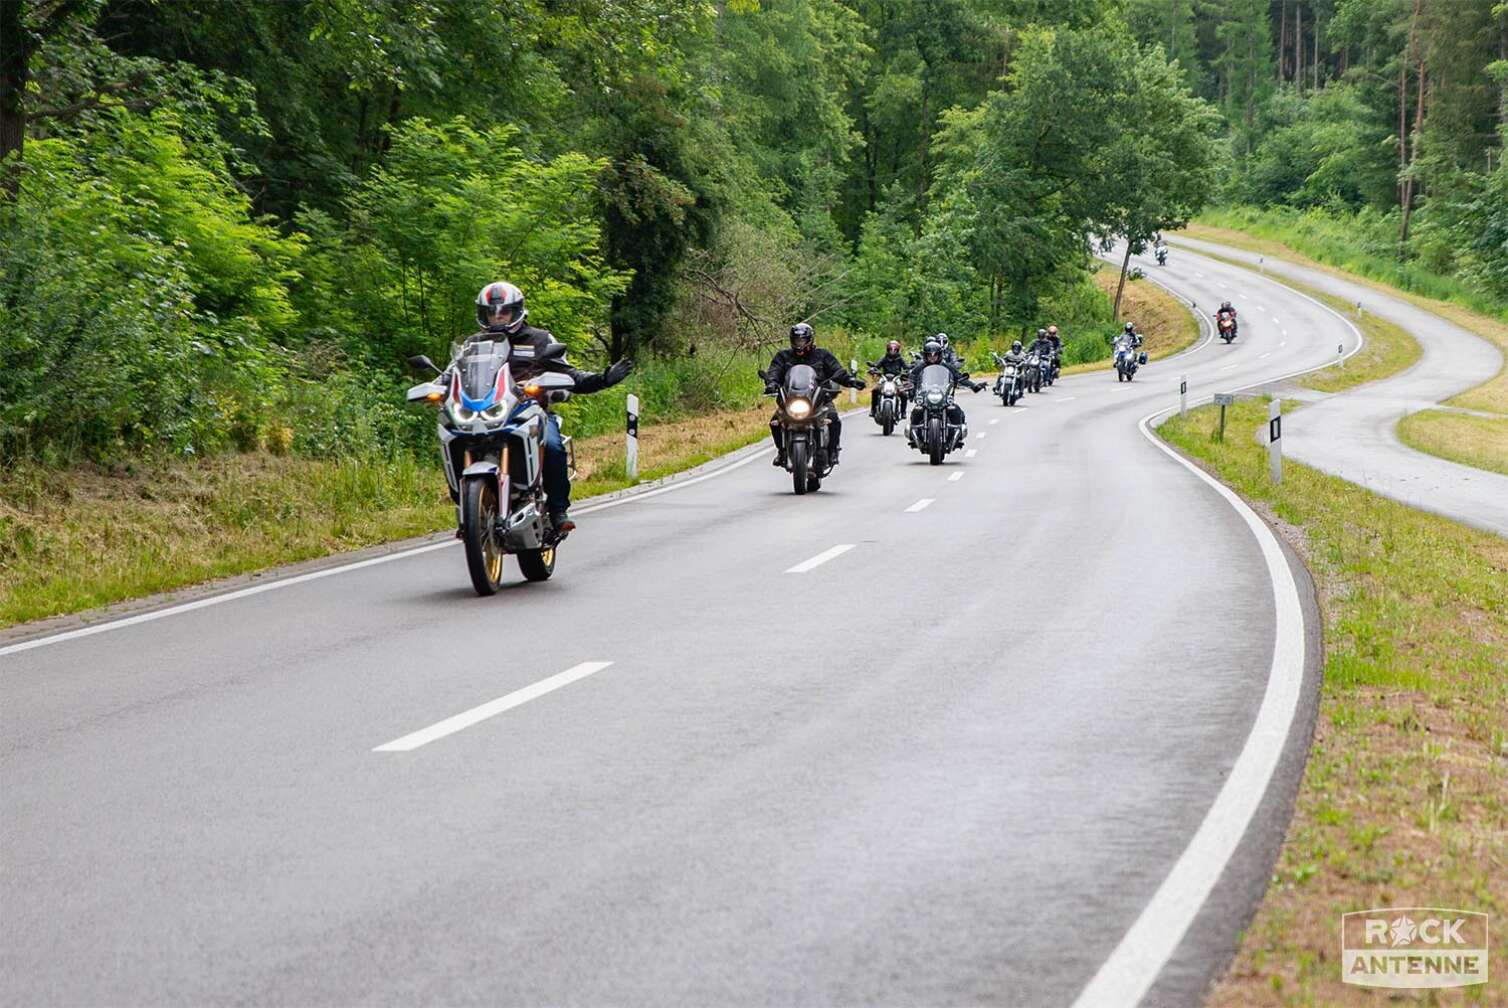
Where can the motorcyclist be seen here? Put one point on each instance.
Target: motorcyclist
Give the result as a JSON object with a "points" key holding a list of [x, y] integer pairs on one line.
{"points": [[1057, 343], [1129, 332], [949, 354], [932, 353], [891, 364], [804, 350], [1227, 308], [500, 312], [1016, 354]]}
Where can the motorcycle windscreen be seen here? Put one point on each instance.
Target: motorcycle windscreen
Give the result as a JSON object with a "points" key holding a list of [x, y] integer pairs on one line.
{"points": [[801, 380], [478, 366], [935, 376]]}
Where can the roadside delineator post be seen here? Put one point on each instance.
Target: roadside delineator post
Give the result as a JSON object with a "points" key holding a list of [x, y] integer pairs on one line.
{"points": [[1183, 396], [1358, 310], [1262, 265], [1223, 399], [1340, 353], [631, 463], [1274, 440]]}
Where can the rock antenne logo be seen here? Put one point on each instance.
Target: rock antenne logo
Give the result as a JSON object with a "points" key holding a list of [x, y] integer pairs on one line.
{"points": [[1413, 947]]}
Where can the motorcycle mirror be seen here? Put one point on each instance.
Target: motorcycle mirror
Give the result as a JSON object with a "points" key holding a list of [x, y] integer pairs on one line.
{"points": [[762, 375], [553, 351], [420, 362]]}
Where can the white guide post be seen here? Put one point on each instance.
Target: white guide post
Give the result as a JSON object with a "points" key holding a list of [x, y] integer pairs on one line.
{"points": [[1183, 396], [1275, 440], [632, 438]]}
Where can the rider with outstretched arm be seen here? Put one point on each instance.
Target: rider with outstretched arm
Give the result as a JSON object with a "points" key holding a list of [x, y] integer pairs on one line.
{"points": [[501, 314], [804, 350]]}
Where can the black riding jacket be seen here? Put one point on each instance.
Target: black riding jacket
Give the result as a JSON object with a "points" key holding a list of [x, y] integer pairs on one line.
{"points": [[960, 376], [890, 364], [822, 361]]}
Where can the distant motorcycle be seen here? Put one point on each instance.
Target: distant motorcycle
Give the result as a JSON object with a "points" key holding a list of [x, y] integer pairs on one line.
{"points": [[937, 424], [1009, 385], [1162, 255], [491, 433], [1127, 359], [1227, 323], [1033, 372], [890, 402], [803, 415]]}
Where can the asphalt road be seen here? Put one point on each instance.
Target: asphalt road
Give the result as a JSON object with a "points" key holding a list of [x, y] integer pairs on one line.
{"points": [[1033, 738], [1353, 434]]}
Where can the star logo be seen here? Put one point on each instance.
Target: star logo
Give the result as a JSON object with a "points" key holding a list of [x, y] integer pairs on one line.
{"points": [[1403, 930]]}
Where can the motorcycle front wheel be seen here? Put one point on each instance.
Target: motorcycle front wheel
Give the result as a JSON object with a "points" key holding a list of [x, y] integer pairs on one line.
{"points": [[935, 441], [800, 465], [484, 553]]}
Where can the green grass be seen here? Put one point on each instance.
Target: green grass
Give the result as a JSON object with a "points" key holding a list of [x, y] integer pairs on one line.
{"points": [[1470, 440], [1405, 797]]}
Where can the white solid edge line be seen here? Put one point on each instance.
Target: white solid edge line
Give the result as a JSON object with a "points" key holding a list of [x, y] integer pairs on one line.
{"points": [[956, 477], [919, 505], [820, 558], [491, 708], [147, 617], [1137, 961]]}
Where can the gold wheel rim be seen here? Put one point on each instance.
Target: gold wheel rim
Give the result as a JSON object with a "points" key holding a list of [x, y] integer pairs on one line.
{"points": [[491, 551]]}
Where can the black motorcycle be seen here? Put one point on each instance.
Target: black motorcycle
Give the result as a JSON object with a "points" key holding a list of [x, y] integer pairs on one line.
{"points": [[890, 399], [1033, 372], [804, 414], [1009, 385], [937, 424], [1227, 323]]}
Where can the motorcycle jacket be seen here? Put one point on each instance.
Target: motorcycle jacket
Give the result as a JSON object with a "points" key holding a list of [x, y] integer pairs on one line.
{"points": [[890, 365], [960, 376], [1043, 348], [822, 361]]}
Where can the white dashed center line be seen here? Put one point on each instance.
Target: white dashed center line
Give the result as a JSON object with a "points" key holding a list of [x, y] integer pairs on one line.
{"points": [[956, 477], [921, 504], [971, 453], [820, 559]]}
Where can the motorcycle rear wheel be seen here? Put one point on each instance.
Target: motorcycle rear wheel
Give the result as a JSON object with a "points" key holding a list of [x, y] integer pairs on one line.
{"points": [[537, 564], [484, 553]]}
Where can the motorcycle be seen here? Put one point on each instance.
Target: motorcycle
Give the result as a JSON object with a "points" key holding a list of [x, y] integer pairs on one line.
{"points": [[1227, 324], [1162, 255], [933, 432], [492, 442], [1008, 386], [1033, 372], [1050, 368], [1127, 360], [802, 403], [891, 400]]}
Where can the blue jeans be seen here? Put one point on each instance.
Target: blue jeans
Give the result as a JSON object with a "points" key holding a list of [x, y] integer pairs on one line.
{"points": [[556, 471]]}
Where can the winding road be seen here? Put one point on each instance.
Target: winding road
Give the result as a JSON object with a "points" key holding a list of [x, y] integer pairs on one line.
{"points": [[1021, 729], [1353, 434]]}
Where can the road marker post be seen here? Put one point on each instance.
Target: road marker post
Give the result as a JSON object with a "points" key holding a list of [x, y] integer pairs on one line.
{"points": [[1262, 265], [853, 369], [1340, 352], [1358, 310], [1183, 396], [1275, 440], [631, 462], [1223, 399]]}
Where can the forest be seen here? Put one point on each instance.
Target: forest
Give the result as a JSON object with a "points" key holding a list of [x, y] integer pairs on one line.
{"points": [[223, 226]]}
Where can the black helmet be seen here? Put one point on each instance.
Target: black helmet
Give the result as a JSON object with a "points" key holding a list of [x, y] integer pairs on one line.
{"points": [[500, 308], [1130, 327], [1225, 305], [932, 349], [1016, 346], [801, 338]]}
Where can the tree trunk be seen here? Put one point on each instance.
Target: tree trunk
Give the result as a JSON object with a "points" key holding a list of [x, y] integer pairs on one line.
{"points": [[1412, 150], [1282, 39], [1298, 45], [15, 62], [1315, 63], [1120, 288]]}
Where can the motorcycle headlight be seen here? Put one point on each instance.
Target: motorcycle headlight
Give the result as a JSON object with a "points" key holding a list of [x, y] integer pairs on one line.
{"points": [[934, 397], [493, 412], [1010, 372], [798, 409], [460, 414]]}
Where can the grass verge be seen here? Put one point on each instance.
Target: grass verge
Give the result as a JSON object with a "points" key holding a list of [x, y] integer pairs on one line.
{"points": [[77, 539], [1404, 800], [1491, 396], [1459, 437], [1165, 321]]}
